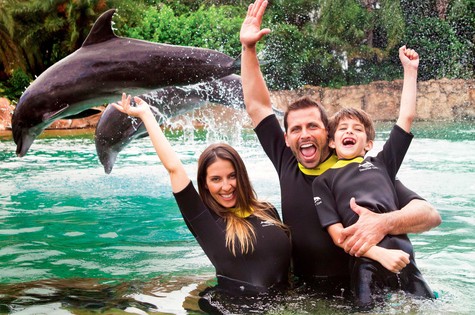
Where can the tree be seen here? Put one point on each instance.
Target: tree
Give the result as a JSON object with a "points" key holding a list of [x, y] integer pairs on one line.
{"points": [[446, 44], [46, 31], [212, 27], [10, 51], [318, 42]]}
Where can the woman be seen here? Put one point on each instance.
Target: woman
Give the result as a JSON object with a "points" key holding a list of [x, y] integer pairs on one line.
{"points": [[244, 238]]}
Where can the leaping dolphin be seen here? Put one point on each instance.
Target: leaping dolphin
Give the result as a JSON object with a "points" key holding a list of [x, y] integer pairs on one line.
{"points": [[116, 130], [105, 66]]}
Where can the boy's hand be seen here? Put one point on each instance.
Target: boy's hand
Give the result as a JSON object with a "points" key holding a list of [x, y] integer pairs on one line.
{"points": [[393, 260], [409, 58]]}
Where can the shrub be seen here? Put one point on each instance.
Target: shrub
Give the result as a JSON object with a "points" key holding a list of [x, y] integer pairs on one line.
{"points": [[16, 84], [443, 55], [213, 27]]}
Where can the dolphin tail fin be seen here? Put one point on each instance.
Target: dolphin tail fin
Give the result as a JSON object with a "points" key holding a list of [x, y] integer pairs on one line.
{"points": [[264, 62], [237, 63]]}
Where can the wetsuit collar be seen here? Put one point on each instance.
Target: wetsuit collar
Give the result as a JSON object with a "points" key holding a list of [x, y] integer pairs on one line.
{"points": [[343, 163], [241, 213], [321, 168]]}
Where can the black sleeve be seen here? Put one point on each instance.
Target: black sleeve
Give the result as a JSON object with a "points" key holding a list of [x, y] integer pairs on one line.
{"points": [[404, 194], [395, 149], [271, 137], [325, 203], [207, 227]]}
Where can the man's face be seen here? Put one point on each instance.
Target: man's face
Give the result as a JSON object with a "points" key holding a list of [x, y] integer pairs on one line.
{"points": [[307, 137]]}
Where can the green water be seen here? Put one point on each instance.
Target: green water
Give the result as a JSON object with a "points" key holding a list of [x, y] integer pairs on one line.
{"points": [[74, 240]]}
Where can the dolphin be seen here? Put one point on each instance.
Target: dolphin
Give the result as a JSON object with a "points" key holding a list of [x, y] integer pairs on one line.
{"points": [[105, 66], [115, 130]]}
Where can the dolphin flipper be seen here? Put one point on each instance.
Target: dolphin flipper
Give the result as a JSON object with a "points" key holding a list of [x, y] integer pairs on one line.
{"points": [[83, 114]]}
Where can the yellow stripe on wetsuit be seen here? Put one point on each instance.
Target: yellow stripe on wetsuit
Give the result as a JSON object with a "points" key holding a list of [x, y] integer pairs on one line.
{"points": [[331, 162]]}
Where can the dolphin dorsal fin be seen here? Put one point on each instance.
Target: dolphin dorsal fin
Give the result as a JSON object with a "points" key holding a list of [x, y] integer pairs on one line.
{"points": [[101, 30]]}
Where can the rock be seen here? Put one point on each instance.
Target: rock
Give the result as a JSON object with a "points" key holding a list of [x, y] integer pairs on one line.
{"points": [[6, 111], [436, 99], [81, 123]]}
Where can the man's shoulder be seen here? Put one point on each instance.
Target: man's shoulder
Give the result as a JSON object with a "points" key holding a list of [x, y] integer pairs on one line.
{"points": [[267, 122]]}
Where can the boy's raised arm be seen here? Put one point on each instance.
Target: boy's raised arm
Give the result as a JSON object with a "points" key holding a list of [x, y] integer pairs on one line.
{"points": [[407, 111]]}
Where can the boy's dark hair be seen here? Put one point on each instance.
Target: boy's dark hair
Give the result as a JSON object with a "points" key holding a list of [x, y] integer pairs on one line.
{"points": [[354, 113]]}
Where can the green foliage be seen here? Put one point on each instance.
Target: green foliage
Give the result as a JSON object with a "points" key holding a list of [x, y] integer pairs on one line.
{"points": [[461, 17], [294, 12], [414, 10], [46, 31], [391, 23], [214, 28], [294, 59], [343, 29], [127, 13], [318, 42], [443, 55], [284, 57], [16, 84], [364, 71]]}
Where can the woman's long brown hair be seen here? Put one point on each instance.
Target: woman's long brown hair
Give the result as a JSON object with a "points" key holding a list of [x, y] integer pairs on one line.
{"points": [[239, 232]]}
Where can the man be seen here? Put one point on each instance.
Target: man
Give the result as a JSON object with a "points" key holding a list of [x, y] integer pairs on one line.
{"points": [[299, 155]]}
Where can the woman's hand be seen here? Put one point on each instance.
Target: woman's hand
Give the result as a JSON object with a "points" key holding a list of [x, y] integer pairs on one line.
{"points": [[140, 110]]}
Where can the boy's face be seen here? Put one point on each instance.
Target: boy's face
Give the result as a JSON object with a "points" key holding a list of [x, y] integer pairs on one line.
{"points": [[307, 137], [350, 139]]}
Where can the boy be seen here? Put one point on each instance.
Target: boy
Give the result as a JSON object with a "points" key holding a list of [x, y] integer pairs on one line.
{"points": [[370, 181]]}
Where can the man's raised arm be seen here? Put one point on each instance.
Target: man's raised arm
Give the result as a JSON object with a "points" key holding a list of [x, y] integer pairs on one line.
{"points": [[256, 94]]}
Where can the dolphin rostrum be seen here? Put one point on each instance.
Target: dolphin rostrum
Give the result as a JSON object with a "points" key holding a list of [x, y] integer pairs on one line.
{"points": [[105, 66], [116, 130]]}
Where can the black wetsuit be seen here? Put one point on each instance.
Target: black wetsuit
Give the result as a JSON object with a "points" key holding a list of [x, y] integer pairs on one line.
{"points": [[315, 257], [268, 265], [371, 181]]}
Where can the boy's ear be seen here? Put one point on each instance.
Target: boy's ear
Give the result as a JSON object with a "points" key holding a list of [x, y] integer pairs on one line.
{"points": [[369, 145], [331, 143]]}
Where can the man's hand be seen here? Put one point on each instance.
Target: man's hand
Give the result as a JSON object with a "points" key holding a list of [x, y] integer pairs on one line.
{"points": [[251, 31], [368, 231]]}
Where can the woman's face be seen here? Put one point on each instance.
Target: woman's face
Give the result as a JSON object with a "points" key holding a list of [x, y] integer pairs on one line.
{"points": [[221, 182]]}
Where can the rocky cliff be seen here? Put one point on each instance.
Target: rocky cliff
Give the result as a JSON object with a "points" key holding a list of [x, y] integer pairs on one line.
{"points": [[436, 100]]}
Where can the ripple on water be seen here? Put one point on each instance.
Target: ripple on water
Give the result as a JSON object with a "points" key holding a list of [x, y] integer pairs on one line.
{"points": [[63, 217]]}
